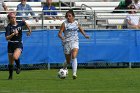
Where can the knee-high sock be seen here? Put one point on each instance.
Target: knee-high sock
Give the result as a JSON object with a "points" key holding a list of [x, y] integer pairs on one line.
{"points": [[10, 66], [17, 63], [74, 65]]}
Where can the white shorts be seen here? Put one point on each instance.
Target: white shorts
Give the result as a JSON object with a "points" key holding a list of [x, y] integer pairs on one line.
{"points": [[69, 46]]}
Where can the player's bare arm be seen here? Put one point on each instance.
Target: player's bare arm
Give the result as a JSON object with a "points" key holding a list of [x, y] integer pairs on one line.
{"points": [[62, 28], [11, 35], [28, 27], [83, 32]]}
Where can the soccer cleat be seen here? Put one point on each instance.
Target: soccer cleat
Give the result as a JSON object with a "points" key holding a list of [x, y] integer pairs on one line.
{"points": [[10, 77], [74, 77], [18, 70]]}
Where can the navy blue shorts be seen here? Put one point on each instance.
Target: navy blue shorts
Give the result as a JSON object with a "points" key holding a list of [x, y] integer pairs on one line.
{"points": [[12, 46]]}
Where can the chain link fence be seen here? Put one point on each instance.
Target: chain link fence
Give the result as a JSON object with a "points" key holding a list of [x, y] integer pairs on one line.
{"points": [[95, 65]]}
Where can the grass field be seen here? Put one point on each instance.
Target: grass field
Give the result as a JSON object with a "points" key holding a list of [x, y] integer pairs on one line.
{"points": [[88, 81]]}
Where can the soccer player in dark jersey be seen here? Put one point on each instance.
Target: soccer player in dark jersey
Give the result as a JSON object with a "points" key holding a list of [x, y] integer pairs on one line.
{"points": [[14, 37]]}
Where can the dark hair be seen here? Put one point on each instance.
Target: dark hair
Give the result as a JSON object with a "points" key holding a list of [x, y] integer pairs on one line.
{"points": [[132, 7], [71, 12]]}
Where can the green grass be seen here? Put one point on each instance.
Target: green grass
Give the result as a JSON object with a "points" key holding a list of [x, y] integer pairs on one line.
{"points": [[88, 81]]}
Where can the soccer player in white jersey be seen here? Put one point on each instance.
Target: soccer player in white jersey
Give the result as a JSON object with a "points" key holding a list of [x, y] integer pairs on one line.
{"points": [[70, 40]]}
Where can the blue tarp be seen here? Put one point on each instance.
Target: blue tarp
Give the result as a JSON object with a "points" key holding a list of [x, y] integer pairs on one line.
{"points": [[44, 46]]}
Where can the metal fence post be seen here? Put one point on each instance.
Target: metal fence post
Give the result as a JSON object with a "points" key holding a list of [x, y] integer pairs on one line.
{"points": [[130, 65], [49, 66], [42, 16]]}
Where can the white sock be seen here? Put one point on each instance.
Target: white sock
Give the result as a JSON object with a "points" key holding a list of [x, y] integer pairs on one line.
{"points": [[74, 66]]}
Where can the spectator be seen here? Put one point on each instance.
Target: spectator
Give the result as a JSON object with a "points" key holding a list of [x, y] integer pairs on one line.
{"points": [[34, 0], [25, 8], [133, 20], [124, 4], [136, 3], [49, 6], [3, 7]]}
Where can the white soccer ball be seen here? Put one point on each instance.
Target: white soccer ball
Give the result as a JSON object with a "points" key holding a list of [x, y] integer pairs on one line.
{"points": [[62, 73]]}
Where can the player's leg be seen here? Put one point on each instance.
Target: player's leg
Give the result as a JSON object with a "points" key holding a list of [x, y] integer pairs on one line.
{"points": [[10, 66], [17, 63], [16, 56], [66, 47], [74, 62], [74, 52], [67, 51], [68, 59]]}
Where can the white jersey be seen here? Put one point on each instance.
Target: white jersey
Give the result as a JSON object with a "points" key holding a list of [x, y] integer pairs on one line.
{"points": [[133, 18], [71, 31]]}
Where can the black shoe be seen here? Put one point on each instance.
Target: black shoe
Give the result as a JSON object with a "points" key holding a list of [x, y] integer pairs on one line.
{"points": [[18, 70], [10, 78]]}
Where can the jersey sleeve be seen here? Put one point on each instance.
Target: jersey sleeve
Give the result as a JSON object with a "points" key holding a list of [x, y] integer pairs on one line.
{"points": [[77, 23]]}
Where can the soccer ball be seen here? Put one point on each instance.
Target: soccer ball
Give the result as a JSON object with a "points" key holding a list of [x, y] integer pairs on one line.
{"points": [[62, 73]]}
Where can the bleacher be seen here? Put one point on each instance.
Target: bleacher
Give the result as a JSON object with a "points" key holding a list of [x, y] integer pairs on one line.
{"points": [[37, 8], [91, 15], [44, 23], [102, 12]]}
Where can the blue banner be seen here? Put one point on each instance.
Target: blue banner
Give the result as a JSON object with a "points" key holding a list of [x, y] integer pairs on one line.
{"points": [[44, 46]]}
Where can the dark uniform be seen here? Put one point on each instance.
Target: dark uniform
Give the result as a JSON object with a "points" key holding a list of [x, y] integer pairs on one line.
{"points": [[15, 41]]}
